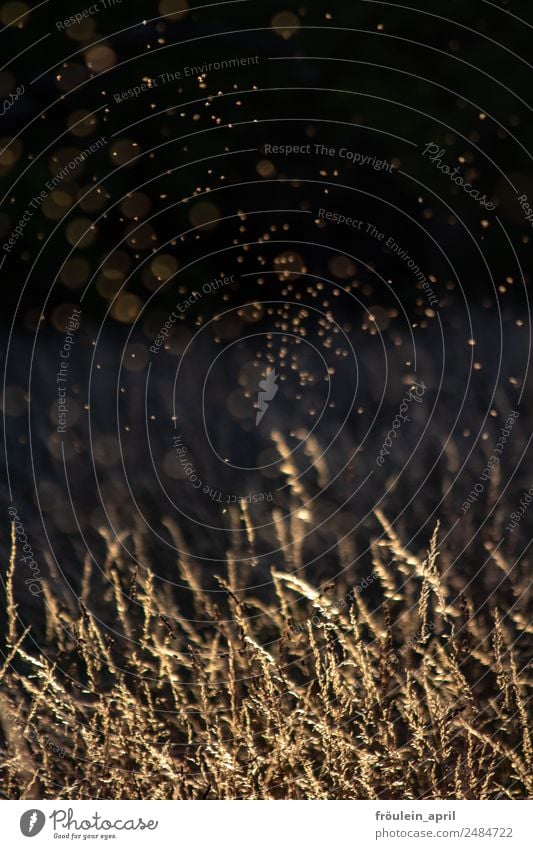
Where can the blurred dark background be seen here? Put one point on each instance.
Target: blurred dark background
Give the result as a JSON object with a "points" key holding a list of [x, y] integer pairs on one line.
{"points": [[181, 192], [375, 72]]}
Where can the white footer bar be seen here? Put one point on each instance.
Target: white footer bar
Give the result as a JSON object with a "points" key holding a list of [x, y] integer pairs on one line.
{"points": [[269, 825]]}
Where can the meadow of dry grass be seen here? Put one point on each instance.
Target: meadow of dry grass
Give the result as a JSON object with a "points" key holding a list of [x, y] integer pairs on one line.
{"points": [[403, 689], [265, 478]]}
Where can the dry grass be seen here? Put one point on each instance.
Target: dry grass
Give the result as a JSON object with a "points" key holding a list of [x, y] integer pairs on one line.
{"points": [[406, 689]]}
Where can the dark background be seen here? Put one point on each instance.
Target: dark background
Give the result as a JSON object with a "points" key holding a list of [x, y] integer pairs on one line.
{"points": [[433, 75], [411, 78]]}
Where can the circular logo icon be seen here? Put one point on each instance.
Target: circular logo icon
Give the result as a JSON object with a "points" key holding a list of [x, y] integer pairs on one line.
{"points": [[32, 822]]}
